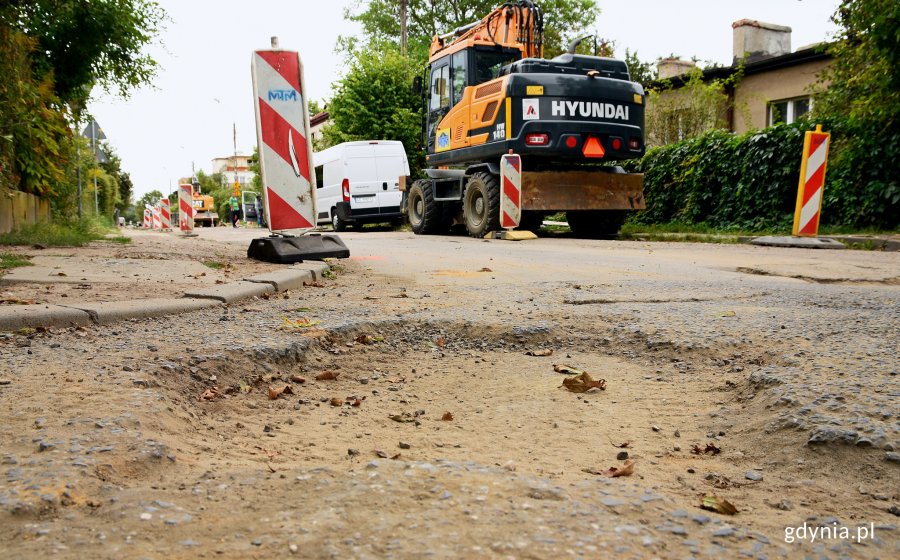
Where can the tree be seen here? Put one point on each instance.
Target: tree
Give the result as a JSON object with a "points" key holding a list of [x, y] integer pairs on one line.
{"points": [[375, 101], [380, 19], [148, 199], [641, 72], [113, 167], [89, 42], [862, 97], [673, 115]]}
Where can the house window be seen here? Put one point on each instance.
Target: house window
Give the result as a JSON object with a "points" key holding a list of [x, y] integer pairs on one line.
{"points": [[788, 110]]}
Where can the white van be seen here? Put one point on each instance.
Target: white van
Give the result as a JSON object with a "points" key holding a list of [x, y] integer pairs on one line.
{"points": [[359, 182]]}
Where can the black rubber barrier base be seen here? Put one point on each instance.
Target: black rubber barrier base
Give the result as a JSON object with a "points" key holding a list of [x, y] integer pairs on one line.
{"points": [[286, 250]]}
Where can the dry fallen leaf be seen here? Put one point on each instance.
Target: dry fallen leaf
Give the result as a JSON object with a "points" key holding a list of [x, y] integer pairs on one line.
{"points": [[274, 393], [440, 342], [583, 383], [337, 402], [356, 403], [298, 379], [710, 448], [447, 417], [714, 503], [327, 375], [627, 469], [485, 269], [211, 393], [540, 352], [314, 284], [567, 370], [623, 445]]}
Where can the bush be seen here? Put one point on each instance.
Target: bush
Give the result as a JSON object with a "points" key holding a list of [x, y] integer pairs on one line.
{"points": [[750, 182]]}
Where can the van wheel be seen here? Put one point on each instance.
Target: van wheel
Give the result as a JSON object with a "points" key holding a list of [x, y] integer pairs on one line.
{"points": [[425, 215], [481, 204], [336, 222], [594, 224]]}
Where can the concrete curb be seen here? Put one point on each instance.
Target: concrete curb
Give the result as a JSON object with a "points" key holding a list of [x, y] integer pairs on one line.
{"points": [[43, 315], [290, 279], [105, 313], [232, 292]]}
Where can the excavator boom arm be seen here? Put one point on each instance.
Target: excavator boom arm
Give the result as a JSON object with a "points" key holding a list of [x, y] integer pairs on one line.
{"points": [[517, 24]]}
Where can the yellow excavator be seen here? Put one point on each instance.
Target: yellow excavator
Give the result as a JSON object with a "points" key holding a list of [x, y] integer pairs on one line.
{"points": [[490, 92]]}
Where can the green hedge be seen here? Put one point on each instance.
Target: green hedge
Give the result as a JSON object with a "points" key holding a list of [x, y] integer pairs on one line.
{"points": [[750, 181]]}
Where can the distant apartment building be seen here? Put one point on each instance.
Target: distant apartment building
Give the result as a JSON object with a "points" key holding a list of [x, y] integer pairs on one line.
{"points": [[776, 85], [230, 165]]}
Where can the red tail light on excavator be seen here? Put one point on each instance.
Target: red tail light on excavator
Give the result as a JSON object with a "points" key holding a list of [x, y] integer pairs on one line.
{"points": [[345, 189]]}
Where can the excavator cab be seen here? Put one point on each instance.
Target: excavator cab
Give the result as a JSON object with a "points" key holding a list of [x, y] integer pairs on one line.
{"points": [[451, 74]]}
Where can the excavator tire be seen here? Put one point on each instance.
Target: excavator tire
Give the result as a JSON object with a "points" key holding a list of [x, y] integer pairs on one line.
{"points": [[425, 215], [481, 204]]}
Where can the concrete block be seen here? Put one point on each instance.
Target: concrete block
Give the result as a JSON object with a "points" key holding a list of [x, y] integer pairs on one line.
{"points": [[317, 269], [105, 313], [14, 317], [798, 242], [232, 292], [282, 280]]}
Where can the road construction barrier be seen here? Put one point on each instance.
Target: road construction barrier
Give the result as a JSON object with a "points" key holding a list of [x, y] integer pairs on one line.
{"points": [[510, 191], [165, 217], [282, 128], [186, 208], [154, 212], [148, 218], [812, 182]]}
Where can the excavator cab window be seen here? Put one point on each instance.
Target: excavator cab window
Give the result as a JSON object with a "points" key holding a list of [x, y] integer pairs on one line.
{"points": [[488, 62], [438, 98], [459, 75]]}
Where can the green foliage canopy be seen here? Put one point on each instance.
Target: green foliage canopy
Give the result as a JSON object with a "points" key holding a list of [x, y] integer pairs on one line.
{"points": [[375, 101], [564, 20]]}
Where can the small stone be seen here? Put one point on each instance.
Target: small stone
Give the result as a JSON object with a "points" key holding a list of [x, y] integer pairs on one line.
{"points": [[293, 548], [654, 428], [267, 428], [784, 505], [622, 455], [892, 456], [755, 476], [677, 433], [152, 348], [256, 542], [404, 445], [723, 532], [691, 471], [353, 452], [895, 510], [146, 516]]}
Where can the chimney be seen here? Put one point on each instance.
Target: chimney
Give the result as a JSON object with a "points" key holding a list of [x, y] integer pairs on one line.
{"points": [[756, 40], [671, 67]]}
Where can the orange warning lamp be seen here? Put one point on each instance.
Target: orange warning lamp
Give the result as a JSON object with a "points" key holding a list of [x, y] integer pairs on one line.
{"points": [[593, 148]]}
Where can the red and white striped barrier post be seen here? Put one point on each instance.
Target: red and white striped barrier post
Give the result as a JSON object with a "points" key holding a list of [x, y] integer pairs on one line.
{"points": [[165, 217], [148, 218], [812, 182], [186, 210], [510, 191], [155, 216], [285, 153]]}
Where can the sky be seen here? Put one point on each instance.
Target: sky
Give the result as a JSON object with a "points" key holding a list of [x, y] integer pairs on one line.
{"points": [[203, 87]]}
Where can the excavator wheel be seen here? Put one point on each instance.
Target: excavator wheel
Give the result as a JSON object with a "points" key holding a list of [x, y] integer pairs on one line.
{"points": [[596, 224], [481, 204], [425, 215]]}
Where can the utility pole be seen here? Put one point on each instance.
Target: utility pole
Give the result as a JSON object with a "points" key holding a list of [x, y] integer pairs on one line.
{"points": [[403, 30]]}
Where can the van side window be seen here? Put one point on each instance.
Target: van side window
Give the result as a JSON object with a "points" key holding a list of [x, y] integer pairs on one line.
{"points": [[320, 176]]}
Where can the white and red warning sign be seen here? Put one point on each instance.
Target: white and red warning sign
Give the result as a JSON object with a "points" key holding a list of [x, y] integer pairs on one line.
{"points": [[157, 224], [148, 218], [165, 217], [510, 191], [186, 208], [812, 182], [285, 146]]}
